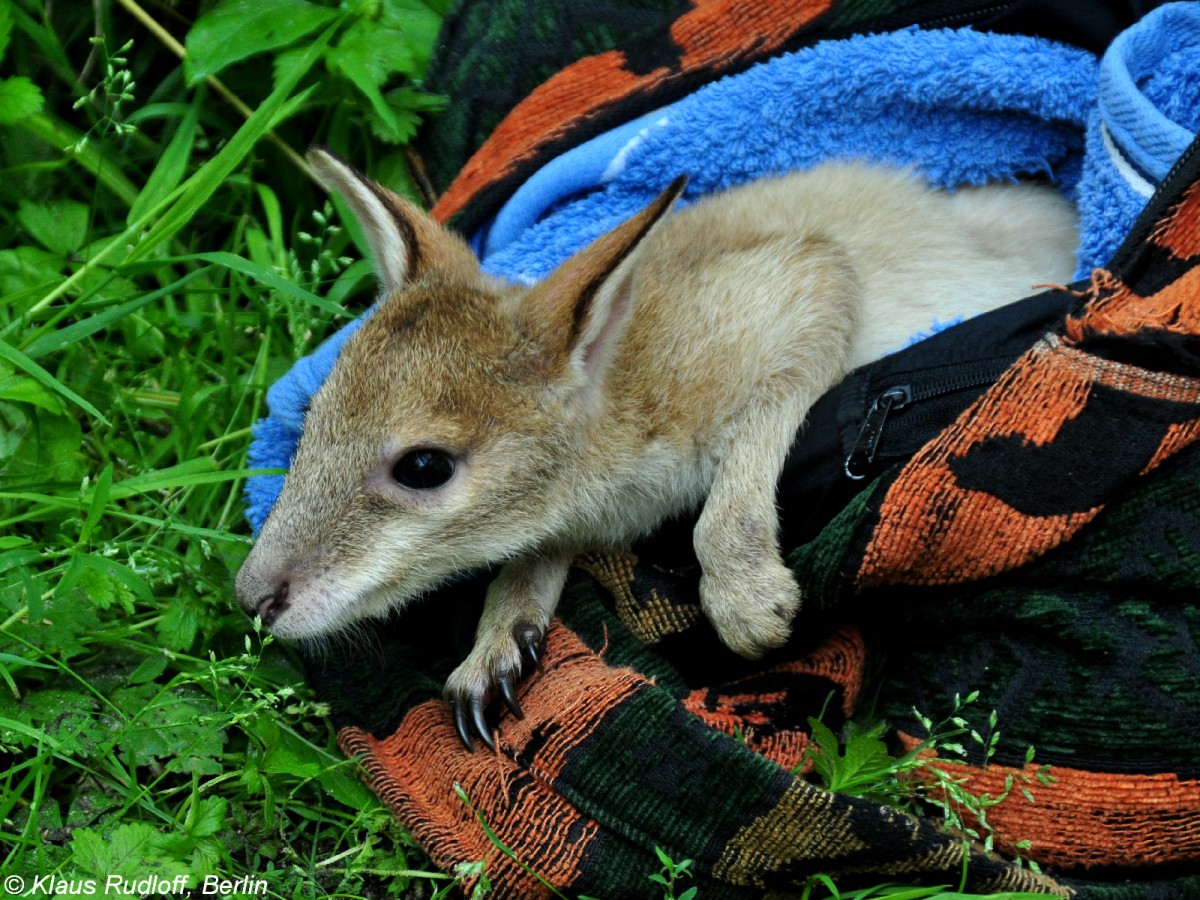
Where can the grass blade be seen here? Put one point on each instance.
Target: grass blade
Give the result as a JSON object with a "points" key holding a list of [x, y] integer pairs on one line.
{"points": [[29, 367], [172, 166], [43, 342], [184, 202], [270, 279]]}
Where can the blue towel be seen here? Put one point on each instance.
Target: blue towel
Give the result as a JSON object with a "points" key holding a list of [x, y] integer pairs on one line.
{"points": [[1147, 112], [275, 437], [958, 106]]}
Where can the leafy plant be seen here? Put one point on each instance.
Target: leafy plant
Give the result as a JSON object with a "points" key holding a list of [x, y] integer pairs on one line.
{"points": [[377, 48], [19, 96], [670, 873], [864, 767]]}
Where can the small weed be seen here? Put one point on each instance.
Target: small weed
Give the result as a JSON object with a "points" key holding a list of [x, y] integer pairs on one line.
{"points": [[503, 847], [110, 93], [864, 767], [670, 873]]}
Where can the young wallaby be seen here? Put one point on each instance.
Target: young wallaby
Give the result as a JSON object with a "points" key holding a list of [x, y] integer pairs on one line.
{"points": [[668, 364]]}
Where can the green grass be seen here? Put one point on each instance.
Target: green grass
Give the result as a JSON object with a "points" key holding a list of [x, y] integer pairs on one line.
{"points": [[164, 260]]}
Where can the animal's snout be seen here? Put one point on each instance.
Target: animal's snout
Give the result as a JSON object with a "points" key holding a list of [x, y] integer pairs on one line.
{"points": [[266, 594], [273, 605]]}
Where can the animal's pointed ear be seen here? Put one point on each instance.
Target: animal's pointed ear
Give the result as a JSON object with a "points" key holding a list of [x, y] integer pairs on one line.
{"points": [[580, 311], [406, 243]]}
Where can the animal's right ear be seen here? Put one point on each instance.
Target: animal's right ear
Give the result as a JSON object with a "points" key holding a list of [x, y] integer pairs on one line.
{"points": [[404, 240], [581, 309]]}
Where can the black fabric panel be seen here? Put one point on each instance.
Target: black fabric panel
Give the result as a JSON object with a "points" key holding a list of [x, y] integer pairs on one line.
{"points": [[1090, 24]]}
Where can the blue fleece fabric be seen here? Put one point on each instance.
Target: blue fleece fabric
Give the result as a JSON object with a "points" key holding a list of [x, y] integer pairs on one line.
{"points": [[1147, 112], [275, 437], [959, 107]]}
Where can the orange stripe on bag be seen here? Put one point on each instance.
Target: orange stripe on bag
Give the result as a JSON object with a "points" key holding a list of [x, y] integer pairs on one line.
{"points": [[1088, 819], [715, 34]]}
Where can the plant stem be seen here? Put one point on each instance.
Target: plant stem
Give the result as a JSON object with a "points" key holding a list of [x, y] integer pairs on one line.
{"points": [[61, 136], [217, 85]]}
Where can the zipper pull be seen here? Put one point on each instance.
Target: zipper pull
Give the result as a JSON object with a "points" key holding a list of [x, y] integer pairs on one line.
{"points": [[858, 463]]}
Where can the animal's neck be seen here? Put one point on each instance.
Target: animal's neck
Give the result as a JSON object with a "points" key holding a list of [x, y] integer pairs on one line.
{"points": [[626, 479]]}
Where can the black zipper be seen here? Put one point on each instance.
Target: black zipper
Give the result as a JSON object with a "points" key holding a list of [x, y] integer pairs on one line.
{"points": [[904, 393], [1168, 193], [967, 17]]}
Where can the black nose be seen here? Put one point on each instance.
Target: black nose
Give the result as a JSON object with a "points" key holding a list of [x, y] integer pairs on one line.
{"points": [[270, 608]]}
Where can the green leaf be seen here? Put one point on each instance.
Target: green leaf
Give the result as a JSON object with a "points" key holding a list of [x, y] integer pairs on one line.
{"points": [[63, 629], [374, 51], [99, 500], [24, 389], [148, 669], [51, 341], [825, 757], [131, 851], [58, 225], [20, 98], [353, 68], [21, 361], [178, 626], [237, 29], [293, 758], [5, 27], [19, 662], [269, 279], [27, 268], [416, 24], [66, 720], [48, 448], [406, 106], [289, 754], [106, 582], [99, 589], [207, 817], [865, 763], [176, 725]]}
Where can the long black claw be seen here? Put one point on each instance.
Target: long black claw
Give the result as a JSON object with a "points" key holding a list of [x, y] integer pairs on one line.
{"points": [[528, 638], [481, 726], [505, 683], [531, 651], [460, 725]]}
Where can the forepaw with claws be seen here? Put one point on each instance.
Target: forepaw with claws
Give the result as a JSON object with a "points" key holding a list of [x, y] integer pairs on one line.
{"points": [[491, 670]]}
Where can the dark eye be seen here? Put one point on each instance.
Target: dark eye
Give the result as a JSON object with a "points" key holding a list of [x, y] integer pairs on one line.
{"points": [[424, 469]]}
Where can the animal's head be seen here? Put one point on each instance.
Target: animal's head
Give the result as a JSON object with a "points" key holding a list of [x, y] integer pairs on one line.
{"points": [[449, 431]]}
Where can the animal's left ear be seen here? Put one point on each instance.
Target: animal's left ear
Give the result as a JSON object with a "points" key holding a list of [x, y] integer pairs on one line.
{"points": [[404, 240], [581, 309]]}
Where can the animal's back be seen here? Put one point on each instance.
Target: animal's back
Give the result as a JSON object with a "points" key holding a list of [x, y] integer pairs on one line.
{"points": [[784, 271], [920, 254]]}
